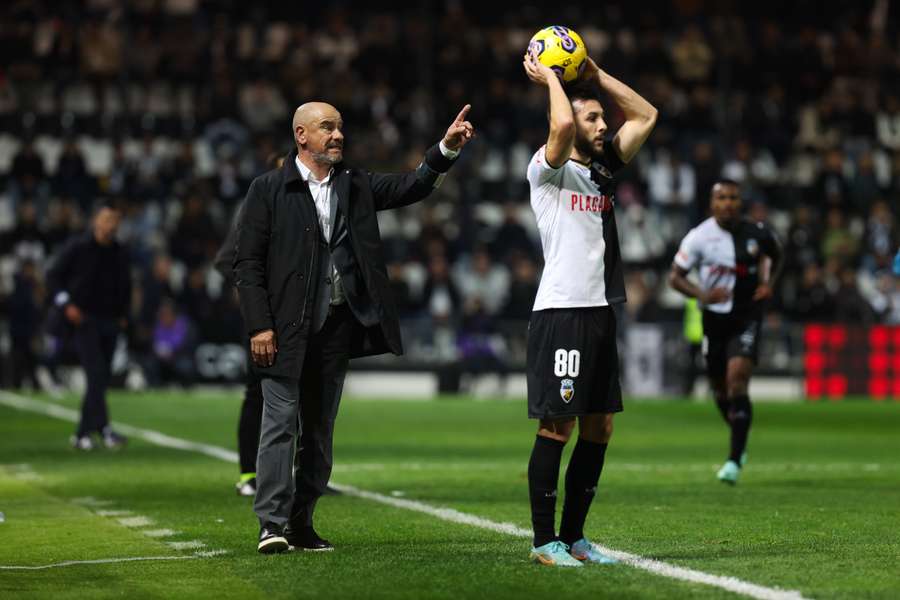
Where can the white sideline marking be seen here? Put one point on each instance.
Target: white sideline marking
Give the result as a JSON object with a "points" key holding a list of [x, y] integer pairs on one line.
{"points": [[731, 584], [160, 533], [210, 553], [762, 467], [136, 521], [191, 545], [101, 561], [88, 500], [113, 513]]}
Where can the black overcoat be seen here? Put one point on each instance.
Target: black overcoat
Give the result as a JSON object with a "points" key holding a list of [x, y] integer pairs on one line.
{"points": [[276, 248]]}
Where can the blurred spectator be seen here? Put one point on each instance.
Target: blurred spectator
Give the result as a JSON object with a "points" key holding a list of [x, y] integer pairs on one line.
{"points": [[25, 241], [522, 289], [24, 310], [831, 188], [691, 56], [850, 306], [640, 236], [812, 302], [511, 237], [194, 241], [173, 347], [72, 179], [887, 123], [483, 282], [803, 244], [881, 238], [837, 241]]}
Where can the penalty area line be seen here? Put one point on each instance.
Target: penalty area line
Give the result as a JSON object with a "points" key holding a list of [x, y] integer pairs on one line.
{"points": [[731, 584]]}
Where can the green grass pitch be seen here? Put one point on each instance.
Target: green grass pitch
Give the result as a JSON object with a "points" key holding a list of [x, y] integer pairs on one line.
{"points": [[817, 509]]}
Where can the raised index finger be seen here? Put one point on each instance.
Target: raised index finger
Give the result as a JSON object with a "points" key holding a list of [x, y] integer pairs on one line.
{"points": [[462, 114]]}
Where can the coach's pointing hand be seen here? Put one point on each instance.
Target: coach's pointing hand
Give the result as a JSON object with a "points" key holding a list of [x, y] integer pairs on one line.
{"points": [[460, 131], [263, 348]]}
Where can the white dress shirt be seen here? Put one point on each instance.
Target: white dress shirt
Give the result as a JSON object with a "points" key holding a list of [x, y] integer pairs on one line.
{"points": [[323, 197]]}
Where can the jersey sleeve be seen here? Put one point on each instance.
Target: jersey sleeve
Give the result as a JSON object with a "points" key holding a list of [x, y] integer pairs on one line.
{"points": [[540, 171], [611, 158], [688, 254], [768, 242]]}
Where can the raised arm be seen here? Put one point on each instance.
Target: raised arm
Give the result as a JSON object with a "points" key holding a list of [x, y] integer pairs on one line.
{"points": [[640, 115], [393, 190], [562, 121]]}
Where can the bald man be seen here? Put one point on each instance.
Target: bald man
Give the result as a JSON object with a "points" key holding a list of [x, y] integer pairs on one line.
{"points": [[314, 293]]}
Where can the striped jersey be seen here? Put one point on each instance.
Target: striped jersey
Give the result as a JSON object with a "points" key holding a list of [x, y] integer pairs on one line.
{"points": [[574, 207], [728, 258]]}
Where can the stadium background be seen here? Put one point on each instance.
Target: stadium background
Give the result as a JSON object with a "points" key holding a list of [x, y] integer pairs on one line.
{"points": [[169, 108]]}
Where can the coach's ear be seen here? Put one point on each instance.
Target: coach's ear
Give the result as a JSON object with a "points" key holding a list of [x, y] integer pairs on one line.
{"points": [[300, 135]]}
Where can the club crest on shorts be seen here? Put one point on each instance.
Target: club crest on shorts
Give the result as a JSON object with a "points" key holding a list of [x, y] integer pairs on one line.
{"points": [[752, 247], [566, 390]]}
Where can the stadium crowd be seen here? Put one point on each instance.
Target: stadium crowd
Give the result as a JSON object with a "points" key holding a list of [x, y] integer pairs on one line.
{"points": [[169, 108]]}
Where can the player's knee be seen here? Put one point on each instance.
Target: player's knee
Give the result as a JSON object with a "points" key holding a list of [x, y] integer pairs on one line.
{"points": [[557, 430], [737, 386], [598, 429]]}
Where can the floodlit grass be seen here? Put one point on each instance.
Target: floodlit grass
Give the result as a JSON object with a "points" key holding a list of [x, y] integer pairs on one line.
{"points": [[817, 509]]}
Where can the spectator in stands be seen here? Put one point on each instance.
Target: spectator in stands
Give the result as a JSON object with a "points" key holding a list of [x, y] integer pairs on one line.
{"points": [[511, 237], [174, 341], [881, 238], [812, 301], [837, 241], [850, 306], [24, 310], [25, 241], [522, 289], [483, 281], [72, 179], [831, 189]]}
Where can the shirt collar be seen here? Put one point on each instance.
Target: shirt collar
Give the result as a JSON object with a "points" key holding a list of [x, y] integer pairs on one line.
{"points": [[307, 175]]}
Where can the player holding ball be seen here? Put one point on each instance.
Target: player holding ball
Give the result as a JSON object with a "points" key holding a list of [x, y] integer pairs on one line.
{"points": [[572, 359]]}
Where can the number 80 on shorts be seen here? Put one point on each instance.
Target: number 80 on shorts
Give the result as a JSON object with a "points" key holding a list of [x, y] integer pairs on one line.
{"points": [[566, 363]]}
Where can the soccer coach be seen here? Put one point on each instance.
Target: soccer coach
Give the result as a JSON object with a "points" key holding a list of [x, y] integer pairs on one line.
{"points": [[314, 293]]}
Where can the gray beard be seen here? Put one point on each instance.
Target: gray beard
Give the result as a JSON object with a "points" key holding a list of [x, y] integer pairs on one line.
{"points": [[323, 158]]}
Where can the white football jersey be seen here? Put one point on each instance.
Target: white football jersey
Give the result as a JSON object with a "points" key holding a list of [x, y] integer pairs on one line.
{"points": [[574, 208], [728, 259]]}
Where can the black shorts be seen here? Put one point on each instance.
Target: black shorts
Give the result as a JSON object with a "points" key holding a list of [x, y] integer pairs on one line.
{"points": [[728, 335], [573, 363]]}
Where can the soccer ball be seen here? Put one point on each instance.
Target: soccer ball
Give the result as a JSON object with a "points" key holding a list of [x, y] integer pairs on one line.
{"points": [[561, 49]]}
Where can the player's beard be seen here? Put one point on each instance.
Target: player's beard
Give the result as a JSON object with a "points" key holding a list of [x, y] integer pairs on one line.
{"points": [[586, 148]]}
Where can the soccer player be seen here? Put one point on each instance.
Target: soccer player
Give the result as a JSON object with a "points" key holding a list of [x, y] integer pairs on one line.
{"points": [[738, 262], [572, 363]]}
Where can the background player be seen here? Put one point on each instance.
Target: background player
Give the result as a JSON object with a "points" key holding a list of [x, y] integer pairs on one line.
{"points": [[572, 363], [739, 262]]}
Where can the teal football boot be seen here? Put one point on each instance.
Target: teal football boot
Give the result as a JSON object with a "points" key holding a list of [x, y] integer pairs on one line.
{"points": [[555, 554], [586, 552], [729, 473]]}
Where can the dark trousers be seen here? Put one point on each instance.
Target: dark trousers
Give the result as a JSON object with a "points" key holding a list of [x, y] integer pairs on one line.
{"points": [[95, 341], [250, 422], [287, 488]]}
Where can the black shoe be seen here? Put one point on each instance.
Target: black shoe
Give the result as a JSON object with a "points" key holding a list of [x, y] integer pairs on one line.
{"points": [[306, 539], [271, 540]]}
